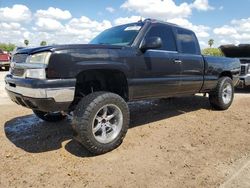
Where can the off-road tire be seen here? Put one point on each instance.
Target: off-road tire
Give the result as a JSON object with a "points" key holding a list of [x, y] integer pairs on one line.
{"points": [[49, 117], [84, 115], [216, 96]]}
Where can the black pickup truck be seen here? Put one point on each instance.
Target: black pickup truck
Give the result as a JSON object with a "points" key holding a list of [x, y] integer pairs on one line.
{"points": [[143, 60]]}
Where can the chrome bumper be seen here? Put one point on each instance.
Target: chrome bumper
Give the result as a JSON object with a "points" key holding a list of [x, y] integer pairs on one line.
{"points": [[65, 94], [4, 63], [245, 80]]}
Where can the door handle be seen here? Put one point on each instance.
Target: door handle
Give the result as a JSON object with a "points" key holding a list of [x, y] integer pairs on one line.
{"points": [[177, 61]]}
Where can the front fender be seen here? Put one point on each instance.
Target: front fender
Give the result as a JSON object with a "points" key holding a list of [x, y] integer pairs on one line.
{"points": [[102, 65]]}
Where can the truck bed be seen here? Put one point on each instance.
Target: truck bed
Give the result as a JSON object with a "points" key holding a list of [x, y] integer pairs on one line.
{"points": [[213, 66]]}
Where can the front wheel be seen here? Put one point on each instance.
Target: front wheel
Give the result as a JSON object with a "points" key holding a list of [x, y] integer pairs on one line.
{"points": [[50, 116], [222, 97], [101, 121]]}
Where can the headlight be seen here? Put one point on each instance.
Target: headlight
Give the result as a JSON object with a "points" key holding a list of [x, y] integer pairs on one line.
{"points": [[36, 73], [39, 61], [39, 58]]}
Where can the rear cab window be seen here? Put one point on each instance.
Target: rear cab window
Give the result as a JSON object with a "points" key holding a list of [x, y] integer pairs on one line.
{"points": [[187, 42]]}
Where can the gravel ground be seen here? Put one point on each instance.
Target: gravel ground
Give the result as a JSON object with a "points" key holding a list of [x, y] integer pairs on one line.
{"points": [[170, 143]]}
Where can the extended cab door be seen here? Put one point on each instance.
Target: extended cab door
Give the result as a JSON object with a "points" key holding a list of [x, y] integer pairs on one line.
{"points": [[158, 70], [192, 63]]}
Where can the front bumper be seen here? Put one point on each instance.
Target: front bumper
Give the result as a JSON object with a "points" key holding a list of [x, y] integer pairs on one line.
{"points": [[43, 95], [244, 81], [4, 63]]}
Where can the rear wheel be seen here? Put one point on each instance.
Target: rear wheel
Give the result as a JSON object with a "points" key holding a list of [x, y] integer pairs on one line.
{"points": [[222, 97], [50, 116], [101, 121]]}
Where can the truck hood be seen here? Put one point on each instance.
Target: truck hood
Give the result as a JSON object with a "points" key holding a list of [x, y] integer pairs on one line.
{"points": [[67, 47], [242, 50]]}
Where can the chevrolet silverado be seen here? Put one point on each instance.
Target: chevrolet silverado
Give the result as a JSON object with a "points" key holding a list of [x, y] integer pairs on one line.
{"points": [[92, 82]]}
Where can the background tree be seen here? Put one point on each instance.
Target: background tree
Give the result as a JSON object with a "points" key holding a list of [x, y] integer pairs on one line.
{"points": [[7, 47], [43, 43], [26, 42], [212, 52], [211, 42]]}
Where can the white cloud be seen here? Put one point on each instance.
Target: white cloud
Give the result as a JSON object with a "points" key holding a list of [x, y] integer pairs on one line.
{"points": [[242, 24], [165, 9], [238, 31], [110, 9], [17, 13], [225, 30], [203, 44], [86, 23], [221, 7], [10, 26], [54, 13], [48, 24], [202, 5], [11, 32], [160, 9], [125, 20], [84, 28], [201, 31], [75, 30], [57, 26]]}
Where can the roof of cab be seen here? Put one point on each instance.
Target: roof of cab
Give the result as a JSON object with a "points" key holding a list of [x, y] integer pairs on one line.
{"points": [[164, 22]]}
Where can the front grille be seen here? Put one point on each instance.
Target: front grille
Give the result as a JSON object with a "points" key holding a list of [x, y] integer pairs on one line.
{"points": [[17, 72], [19, 58], [243, 70], [245, 63]]}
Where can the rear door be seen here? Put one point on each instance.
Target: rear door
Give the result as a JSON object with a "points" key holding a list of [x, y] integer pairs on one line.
{"points": [[192, 63]]}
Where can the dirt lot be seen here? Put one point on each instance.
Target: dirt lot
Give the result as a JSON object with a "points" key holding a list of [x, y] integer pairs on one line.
{"points": [[172, 143]]}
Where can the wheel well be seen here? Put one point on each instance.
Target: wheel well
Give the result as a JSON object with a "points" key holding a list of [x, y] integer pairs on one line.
{"points": [[226, 73], [101, 80]]}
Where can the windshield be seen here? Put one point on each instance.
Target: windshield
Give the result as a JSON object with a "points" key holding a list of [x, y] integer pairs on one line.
{"points": [[123, 35]]}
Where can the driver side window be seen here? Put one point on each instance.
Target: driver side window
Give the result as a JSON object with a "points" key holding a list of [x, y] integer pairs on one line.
{"points": [[166, 35]]}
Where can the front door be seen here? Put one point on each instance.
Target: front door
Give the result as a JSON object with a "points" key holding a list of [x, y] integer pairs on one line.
{"points": [[158, 71]]}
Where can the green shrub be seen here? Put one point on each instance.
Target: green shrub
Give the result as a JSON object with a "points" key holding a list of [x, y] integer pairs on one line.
{"points": [[212, 51], [7, 47]]}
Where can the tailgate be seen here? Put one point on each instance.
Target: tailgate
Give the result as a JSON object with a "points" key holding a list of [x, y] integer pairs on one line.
{"points": [[4, 57]]}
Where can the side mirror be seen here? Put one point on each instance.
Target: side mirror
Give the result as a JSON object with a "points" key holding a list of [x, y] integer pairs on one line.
{"points": [[151, 43]]}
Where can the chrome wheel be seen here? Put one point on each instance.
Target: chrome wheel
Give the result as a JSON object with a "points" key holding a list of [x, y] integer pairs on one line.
{"points": [[107, 123], [227, 93]]}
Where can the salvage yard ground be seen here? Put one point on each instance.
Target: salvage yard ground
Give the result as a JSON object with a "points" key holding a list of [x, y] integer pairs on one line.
{"points": [[171, 143]]}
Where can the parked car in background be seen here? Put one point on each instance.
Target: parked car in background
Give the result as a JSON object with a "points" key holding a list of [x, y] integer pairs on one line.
{"points": [[4, 60], [143, 60], [242, 52]]}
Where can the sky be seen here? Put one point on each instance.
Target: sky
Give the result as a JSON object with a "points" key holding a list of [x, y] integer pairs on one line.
{"points": [[78, 21]]}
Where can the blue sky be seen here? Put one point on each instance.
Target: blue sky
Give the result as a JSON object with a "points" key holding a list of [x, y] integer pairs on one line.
{"points": [[226, 21]]}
